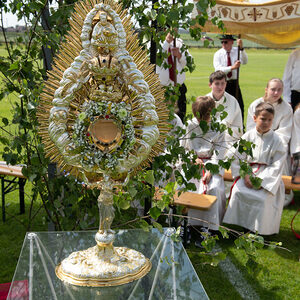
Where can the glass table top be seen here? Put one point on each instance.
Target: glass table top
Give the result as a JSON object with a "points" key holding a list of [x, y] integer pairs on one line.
{"points": [[172, 275]]}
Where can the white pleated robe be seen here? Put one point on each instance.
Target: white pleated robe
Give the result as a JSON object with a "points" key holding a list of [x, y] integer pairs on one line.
{"points": [[295, 138], [259, 210], [282, 125], [233, 120], [204, 146]]}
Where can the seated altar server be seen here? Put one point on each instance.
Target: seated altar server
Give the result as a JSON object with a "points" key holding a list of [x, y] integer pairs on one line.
{"points": [[209, 146], [259, 210], [282, 123]]}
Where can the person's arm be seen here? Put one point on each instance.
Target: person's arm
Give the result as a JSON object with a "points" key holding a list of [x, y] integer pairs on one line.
{"points": [[219, 64], [287, 78], [250, 121], [284, 129], [237, 120], [243, 54], [271, 175], [295, 138]]}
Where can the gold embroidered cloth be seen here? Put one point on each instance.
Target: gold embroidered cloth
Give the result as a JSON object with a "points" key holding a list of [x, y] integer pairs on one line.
{"points": [[274, 24]]}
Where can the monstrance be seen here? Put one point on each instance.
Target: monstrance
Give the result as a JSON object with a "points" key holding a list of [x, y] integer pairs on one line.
{"points": [[102, 115]]}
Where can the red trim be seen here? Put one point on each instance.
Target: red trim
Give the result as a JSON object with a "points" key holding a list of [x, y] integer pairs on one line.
{"points": [[235, 181], [203, 174], [204, 182], [295, 233], [258, 164]]}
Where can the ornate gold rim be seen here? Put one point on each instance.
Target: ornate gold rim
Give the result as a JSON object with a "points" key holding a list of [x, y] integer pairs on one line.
{"points": [[98, 282]]}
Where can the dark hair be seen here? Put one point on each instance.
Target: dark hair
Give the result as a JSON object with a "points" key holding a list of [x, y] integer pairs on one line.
{"points": [[202, 107], [264, 106], [276, 79], [218, 75]]}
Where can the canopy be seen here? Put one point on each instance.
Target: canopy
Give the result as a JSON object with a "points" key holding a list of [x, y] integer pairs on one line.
{"points": [[274, 24]]}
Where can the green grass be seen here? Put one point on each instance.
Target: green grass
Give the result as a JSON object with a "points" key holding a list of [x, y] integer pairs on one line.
{"points": [[13, 231], [282, 282]]}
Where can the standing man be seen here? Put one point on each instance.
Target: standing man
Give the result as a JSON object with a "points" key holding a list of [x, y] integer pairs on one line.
{"points": [[226, 60], [291, 79], [169, 75]]}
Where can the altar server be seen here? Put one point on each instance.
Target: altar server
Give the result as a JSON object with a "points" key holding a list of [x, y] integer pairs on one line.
{"points": [[209, 147], [283, 118], [282, 123], [259, 210], [233, 119]]}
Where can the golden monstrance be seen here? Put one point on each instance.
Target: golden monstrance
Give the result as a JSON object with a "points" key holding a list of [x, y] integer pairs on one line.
{"points": [[102, 116]]}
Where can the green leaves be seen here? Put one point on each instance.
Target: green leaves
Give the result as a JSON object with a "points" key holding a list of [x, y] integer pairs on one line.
{"points": [[256, 182], [149, 177], [154, 212], [204, 126]]}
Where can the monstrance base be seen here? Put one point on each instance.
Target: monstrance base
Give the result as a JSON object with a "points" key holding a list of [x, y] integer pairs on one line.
{"points": [[103, 266]]}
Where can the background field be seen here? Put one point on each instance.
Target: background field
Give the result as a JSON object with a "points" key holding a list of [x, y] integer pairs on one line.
{"points": [[263, 64], [282, 281]]}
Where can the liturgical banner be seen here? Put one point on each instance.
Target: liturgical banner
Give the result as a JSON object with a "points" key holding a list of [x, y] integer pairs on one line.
{"points": [[271, 23]]}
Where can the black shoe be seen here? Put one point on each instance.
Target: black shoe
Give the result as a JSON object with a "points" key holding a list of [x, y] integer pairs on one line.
{"points": [[198, 242], [204, 234], [188, 234]]}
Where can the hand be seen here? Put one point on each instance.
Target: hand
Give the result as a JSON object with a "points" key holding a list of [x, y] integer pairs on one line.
{"points": [[176, 52], [199, 161], [248, 183], [207, 177], [236, 65], [169, 38], [239, 43]]}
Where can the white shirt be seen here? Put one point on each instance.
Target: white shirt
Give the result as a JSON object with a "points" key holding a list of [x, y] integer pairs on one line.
{"points": [[295, 138], [180, 64], [233, 119], [282, 122], [220, 61], [205, 145], [291, 75]]}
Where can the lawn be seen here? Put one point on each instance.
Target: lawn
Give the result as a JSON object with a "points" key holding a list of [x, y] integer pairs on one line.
{"points": [[229, 280]]}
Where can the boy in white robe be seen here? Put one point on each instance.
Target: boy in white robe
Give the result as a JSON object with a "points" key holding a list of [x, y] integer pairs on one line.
{"points": [[282, 123], [209, 147], [259, 210], [233, 120]]}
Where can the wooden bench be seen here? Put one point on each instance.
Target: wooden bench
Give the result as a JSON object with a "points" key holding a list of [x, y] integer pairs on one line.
{"points": [[287, 180], [8, 185], [189, 200]]}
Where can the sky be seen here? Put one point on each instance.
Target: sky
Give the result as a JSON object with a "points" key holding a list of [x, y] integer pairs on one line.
{"points": [[11, 20]]}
